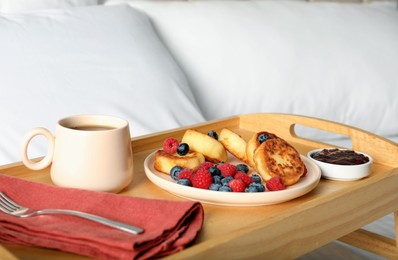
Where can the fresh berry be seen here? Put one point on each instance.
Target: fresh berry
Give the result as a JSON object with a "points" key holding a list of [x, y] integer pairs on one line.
{"points": [[184, 182], [217, 179], [305, 172], [214, 171], [237, 185], [274, 184], [205, 165], [226, 180], [225, 188], [170, 145], [185, 174], [227, 169], [215, 186], [175, 171], [213, 134], [201, 179], [244, 177], [251, 188], [183, 149], [262, 138], [256, 178], [258, 186], [242, 167]]}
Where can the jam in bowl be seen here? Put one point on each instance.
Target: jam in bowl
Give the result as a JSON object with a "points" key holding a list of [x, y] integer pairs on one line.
{"points": [[341, 164]]}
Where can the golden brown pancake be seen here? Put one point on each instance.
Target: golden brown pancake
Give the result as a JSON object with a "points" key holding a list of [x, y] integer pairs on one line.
{"points": [[233, 143], [212, 149], [165, 161], [276, 157], [253, 144]]}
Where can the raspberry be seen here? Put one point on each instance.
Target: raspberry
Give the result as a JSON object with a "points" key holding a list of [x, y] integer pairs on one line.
{"points": [[244, 177], [201, 179], [305, 172], [274, 184], [237, 185], [227, 169], [185, 174], [205, 165], [170, 145]]}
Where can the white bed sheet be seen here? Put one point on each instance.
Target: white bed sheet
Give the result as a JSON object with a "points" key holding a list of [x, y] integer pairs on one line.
{"points": [[327, 60], [86, 60]]}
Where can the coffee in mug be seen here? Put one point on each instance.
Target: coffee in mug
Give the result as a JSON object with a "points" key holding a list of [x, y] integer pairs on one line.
{"points": [[90, 152]]}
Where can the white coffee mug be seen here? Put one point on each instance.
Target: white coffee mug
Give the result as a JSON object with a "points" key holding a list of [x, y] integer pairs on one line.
{"points": [[90, 152]]}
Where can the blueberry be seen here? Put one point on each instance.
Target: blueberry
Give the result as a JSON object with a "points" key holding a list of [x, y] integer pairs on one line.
{"points": [[175, 171], [242, 167], [217, 179], [213, 134], [256, 178], [251, 188], [183, 149], [215, 186], [226, 180], [262, 138], [225, 188], [260, 187], [214, 171], [184, 182]]}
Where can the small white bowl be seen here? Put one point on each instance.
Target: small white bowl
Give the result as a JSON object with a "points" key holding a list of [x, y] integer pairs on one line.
{"points": [[342, 172]]}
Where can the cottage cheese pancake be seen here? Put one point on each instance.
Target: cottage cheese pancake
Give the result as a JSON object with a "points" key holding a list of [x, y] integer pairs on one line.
{"points": [[212, 149], [276, 157], [253, 144], [165, 161], [234, 144]]}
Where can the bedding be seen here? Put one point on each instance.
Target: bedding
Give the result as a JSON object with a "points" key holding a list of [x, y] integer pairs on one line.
{"points": [[86, 60], [327, 60], [12, 6]]}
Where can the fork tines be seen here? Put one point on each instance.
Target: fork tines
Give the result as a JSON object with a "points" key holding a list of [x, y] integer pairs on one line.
{"points": [[7, 205]]}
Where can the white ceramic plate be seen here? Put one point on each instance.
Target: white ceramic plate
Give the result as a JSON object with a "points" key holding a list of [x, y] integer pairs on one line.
{"points": [[164, 181]]}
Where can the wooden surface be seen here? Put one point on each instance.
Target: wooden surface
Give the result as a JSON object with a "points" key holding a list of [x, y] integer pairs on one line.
{"points": [[331, 211]]}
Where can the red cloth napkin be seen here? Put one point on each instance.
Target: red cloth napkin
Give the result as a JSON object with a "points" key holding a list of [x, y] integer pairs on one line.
{"points": [[170, 226]]}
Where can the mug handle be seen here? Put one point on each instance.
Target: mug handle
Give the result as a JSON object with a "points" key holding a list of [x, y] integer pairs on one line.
{"points": [[24, 149]]}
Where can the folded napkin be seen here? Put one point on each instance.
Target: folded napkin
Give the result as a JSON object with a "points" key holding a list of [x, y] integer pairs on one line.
{"points": [[170, 226]]}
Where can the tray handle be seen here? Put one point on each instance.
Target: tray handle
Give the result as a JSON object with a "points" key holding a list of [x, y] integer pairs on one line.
{"points": [[381, 149]]}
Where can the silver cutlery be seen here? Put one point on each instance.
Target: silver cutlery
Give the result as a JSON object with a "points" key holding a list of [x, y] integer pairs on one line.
{"points": [[10, 207]]}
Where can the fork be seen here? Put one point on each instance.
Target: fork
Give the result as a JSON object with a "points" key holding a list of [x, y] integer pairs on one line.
{"points": [[12, 208]]}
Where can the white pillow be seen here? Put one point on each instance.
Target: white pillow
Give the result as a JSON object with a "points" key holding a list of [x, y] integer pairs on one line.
{"points": [[86, 60], [328, 60], [12, 6]]}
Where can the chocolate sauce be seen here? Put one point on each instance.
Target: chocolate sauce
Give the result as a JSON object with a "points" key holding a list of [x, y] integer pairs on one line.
{"points": [[342, 157]]}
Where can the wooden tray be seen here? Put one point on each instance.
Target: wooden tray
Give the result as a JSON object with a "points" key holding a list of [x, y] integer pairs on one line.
{"points": [[285, 230]]}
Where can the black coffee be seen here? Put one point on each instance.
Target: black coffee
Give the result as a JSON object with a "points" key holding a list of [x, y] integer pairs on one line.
{"points": [[93, 127]]}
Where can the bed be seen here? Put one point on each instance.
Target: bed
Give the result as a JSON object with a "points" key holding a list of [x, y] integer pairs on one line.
{"points": [[166, 64]]}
